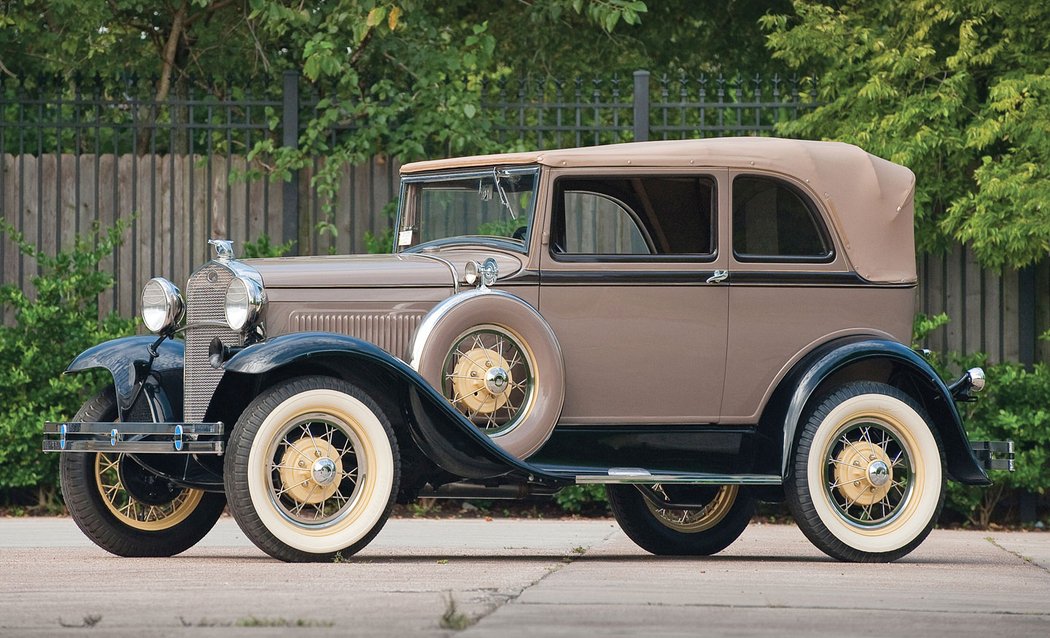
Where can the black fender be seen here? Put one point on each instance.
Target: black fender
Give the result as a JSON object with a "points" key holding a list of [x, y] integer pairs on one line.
{"points": [[128, 361], [443, 434], [910, 371]]}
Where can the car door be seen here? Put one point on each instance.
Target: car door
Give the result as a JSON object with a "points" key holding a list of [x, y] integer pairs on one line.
{"points": [[632, 283]]}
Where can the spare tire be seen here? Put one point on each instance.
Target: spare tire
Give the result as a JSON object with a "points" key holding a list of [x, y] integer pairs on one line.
{"points": [[497, 362]]}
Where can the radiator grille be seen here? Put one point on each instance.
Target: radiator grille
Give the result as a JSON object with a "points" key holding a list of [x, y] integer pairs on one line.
{"points": [[205, 302], [391, 332]]}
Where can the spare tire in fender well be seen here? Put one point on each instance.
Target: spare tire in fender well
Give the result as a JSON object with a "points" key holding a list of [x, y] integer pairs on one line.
{"points": [[487, 317]]}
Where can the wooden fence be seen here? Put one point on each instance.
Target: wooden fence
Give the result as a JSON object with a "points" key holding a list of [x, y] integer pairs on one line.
{"points": [[175, 203]]}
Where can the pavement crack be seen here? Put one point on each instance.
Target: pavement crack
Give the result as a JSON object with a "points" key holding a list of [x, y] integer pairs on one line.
{"points": [[502, 599], [1026, 559]]}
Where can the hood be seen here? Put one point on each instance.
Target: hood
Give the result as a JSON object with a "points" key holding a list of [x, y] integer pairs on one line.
{"points": [[373, 271], [351, 271]]}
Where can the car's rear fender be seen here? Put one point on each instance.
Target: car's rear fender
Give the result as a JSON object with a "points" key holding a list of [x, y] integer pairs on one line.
{"points": [[446, 437], [853, 358]]}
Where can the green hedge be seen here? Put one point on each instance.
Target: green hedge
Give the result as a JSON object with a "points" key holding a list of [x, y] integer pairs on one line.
{"points": [[40, 338]]}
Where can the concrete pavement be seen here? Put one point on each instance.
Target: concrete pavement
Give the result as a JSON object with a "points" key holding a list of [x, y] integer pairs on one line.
{"points": [[521, 578]]}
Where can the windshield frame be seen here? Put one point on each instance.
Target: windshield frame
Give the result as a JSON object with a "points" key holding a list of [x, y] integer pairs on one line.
{"points": [[408, 208]]}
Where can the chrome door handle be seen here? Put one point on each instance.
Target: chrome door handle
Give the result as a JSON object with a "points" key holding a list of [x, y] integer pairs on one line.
{"points": [[718, 277]]}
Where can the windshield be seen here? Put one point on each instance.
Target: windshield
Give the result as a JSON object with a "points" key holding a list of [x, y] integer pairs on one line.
{"points": [[494, 202]]}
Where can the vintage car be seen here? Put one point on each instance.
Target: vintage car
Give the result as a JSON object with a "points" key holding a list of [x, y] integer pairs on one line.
{"points": [[697, 325]]}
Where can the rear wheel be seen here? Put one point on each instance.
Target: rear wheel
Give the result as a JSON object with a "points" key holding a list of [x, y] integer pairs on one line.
{"points": [[312, 469], [868, 481], [720, 517], [126, 509]]}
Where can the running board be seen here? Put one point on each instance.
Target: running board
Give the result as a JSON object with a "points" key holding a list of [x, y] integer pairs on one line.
{"points": [[165, 438], [640, 476]]}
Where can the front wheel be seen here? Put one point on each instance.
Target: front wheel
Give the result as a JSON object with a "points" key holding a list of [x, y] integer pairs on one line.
{"points": [[312, 469], [868, 481], [720, 516], [124, 508]]}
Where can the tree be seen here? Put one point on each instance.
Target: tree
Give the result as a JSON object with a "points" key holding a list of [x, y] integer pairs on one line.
{"points": [[959, 91]]}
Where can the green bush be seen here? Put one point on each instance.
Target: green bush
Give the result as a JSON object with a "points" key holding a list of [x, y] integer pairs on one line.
{"points": [[39, 340], [262, 247], [1014, 405], [578, 499]]}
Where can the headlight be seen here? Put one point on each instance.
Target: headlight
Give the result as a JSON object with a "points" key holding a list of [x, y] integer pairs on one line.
{"points": [[244, 299], [162, 304]]}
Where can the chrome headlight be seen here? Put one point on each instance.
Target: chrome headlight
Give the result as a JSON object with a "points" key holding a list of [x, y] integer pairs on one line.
{"points": [[162, 304], [244, 300]]}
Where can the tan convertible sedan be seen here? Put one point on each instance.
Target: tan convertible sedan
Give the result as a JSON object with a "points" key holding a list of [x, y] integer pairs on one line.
{"points": [[697, 325]]}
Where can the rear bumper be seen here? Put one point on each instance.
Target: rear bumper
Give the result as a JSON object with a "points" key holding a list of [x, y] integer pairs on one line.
{"points": [[135, 438], [994, 455]]}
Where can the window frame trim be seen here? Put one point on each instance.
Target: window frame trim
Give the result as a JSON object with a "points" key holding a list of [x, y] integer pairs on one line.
{"points": [[815, 213], [558, 215]]}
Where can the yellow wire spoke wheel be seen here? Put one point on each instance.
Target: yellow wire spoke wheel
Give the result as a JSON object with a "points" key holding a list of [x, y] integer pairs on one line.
{"points": [[149, 515], [699, 520]]}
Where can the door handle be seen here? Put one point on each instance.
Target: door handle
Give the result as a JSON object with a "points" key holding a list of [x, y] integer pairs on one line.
{"points": [[718, 277]]}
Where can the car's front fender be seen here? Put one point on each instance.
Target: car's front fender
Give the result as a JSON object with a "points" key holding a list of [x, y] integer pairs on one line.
{"points": [[128, 361], [441, 432]]}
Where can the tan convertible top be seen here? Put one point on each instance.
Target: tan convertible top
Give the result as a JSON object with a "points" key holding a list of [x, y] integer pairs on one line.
{"points": [[869, 199]]}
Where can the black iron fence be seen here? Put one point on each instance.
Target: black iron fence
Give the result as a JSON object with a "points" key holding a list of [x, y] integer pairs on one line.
{"points": [[76, 152]]}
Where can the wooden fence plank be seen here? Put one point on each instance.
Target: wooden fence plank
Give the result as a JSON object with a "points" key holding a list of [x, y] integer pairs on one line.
{"points": [[993, 317], [972, 317], [1009, 327]]}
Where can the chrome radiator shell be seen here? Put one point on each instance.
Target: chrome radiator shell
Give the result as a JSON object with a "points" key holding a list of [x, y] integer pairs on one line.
{"points": [[205, 320]]}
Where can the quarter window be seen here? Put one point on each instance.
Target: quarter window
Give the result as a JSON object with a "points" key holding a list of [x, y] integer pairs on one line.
{"points": [[634, 218], [773, 221]]}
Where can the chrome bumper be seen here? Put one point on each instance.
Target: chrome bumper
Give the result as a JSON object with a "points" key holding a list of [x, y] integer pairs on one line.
{"points": [[135, 438], [994, 455]]}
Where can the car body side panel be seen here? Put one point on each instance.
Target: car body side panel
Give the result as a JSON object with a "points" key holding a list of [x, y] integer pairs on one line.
{"points": [[776, 320]]}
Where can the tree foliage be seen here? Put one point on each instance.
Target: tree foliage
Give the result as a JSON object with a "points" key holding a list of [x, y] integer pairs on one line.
{"points": [[959, 91]]}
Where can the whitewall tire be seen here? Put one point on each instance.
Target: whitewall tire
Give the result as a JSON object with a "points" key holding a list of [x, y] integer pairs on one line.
{"points": [[312, 469], [868, 478]]}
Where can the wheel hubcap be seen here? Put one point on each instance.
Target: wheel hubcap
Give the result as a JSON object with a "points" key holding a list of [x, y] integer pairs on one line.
{"points": [[488, 376], [482, 381], [864, 473], [316, 473], [309, 467], [868, 473]]}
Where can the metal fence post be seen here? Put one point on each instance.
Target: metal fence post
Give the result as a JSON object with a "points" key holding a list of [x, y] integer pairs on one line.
{"points": [[641, 106], [290, 139]]}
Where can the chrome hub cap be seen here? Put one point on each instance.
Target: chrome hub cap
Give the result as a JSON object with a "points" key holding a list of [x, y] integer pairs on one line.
{"points": [[496, 380], [324, 471], [878, 473]]}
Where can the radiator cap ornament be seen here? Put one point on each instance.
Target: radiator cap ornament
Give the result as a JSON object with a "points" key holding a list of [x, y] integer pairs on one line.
{"points": [[223, 249]]}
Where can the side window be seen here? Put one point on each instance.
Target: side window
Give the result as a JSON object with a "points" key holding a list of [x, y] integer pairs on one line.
{"points": [[597, 224], [773, 221], [634, 218]]}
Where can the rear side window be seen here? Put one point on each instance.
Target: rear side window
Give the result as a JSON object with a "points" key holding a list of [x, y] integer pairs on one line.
{"points": [[774, 221]]}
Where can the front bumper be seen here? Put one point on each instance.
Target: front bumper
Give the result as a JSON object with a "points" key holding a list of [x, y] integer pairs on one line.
{"points": [[135, 438]]}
